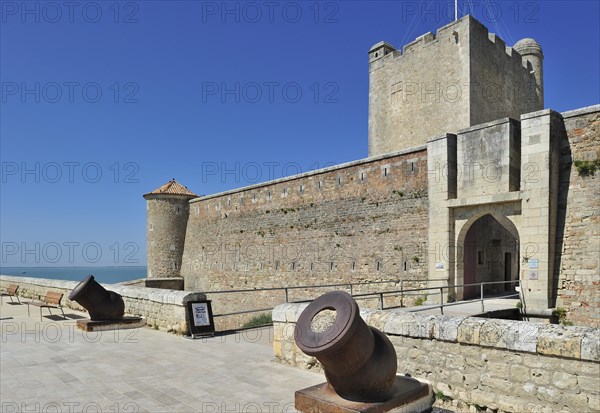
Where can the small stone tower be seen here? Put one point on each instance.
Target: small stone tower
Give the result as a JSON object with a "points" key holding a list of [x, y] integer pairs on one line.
{"points": [[167, 216], [531, 51]]}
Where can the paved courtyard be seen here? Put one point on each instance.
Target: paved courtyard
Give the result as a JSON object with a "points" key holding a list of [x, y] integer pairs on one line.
{"points": [[51, 366]]}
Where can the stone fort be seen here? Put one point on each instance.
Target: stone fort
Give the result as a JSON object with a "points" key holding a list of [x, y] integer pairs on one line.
{"points": [[468, 179]]}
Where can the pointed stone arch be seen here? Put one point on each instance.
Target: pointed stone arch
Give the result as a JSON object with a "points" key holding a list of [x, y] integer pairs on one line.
{"points": [[487, 249]]}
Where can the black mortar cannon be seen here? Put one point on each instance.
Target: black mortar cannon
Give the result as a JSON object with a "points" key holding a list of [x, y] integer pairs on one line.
{"points": [[359, 361], [99, 302]]}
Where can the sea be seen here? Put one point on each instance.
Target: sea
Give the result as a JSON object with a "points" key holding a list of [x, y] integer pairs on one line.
{"points": [[107, 275]]}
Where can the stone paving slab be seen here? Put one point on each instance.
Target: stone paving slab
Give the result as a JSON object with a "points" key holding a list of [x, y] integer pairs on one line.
{"points": [[51, 366]]}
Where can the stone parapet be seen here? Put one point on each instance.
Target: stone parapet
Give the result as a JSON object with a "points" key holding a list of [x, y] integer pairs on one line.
{"points": [[164, 309], [504, 365]]}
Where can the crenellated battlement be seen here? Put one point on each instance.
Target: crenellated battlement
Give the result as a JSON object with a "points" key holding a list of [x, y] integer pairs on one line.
{"points": [[443, 33], [460, 76]]}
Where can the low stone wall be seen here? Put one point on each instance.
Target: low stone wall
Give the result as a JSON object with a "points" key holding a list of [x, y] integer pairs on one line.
{"points": [[165, 309], [500, 365]]}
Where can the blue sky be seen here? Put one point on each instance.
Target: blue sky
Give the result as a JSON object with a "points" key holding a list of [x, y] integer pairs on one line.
{"points": [[105, 101]]}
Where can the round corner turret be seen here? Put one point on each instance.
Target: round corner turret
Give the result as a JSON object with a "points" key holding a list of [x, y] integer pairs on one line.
{"points": [[528, 46], [168, 211], [533, 58]]}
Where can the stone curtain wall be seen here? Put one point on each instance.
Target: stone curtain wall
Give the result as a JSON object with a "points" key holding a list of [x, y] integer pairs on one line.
{"points": [[362, 221], [578, 229], [503, 365], [163, 309]]}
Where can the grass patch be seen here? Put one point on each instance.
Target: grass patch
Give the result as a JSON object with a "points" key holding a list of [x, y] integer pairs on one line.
{"points": [[441, 396], [420, 301], [259, 321], [561, 314], [587, 168]]}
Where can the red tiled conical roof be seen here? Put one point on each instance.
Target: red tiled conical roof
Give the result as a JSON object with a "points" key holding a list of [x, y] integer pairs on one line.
{"points": [[172, 188]]}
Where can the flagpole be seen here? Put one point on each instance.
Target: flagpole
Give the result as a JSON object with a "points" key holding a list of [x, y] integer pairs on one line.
{"points": [[455, 10]]}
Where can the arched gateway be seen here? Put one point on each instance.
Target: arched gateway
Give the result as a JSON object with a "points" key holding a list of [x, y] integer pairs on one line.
{"points": [[492, 208], [490, 253]]}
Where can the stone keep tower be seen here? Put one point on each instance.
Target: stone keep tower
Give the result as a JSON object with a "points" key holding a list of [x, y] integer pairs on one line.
{"points": [[460, 77], [167, 216]]}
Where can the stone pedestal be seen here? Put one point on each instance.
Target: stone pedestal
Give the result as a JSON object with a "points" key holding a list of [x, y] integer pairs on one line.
{"points": [[104, 325], [407, 396]]}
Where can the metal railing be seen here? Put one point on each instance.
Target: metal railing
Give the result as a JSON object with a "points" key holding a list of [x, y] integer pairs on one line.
{"points": [[286, 290], [441, 306], [380, 295]]}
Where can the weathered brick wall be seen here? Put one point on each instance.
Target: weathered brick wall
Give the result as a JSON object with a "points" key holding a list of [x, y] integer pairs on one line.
{"points": [[496, 365], [364, 221], [578, 229]]}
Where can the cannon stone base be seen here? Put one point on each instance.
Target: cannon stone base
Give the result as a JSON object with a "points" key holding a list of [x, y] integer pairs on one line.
{"points": [[408, 396], [104, 325]]}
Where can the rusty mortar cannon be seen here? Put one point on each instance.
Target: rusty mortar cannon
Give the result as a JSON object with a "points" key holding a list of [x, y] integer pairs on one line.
{"points": [[359, 361], [100, 303]]}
